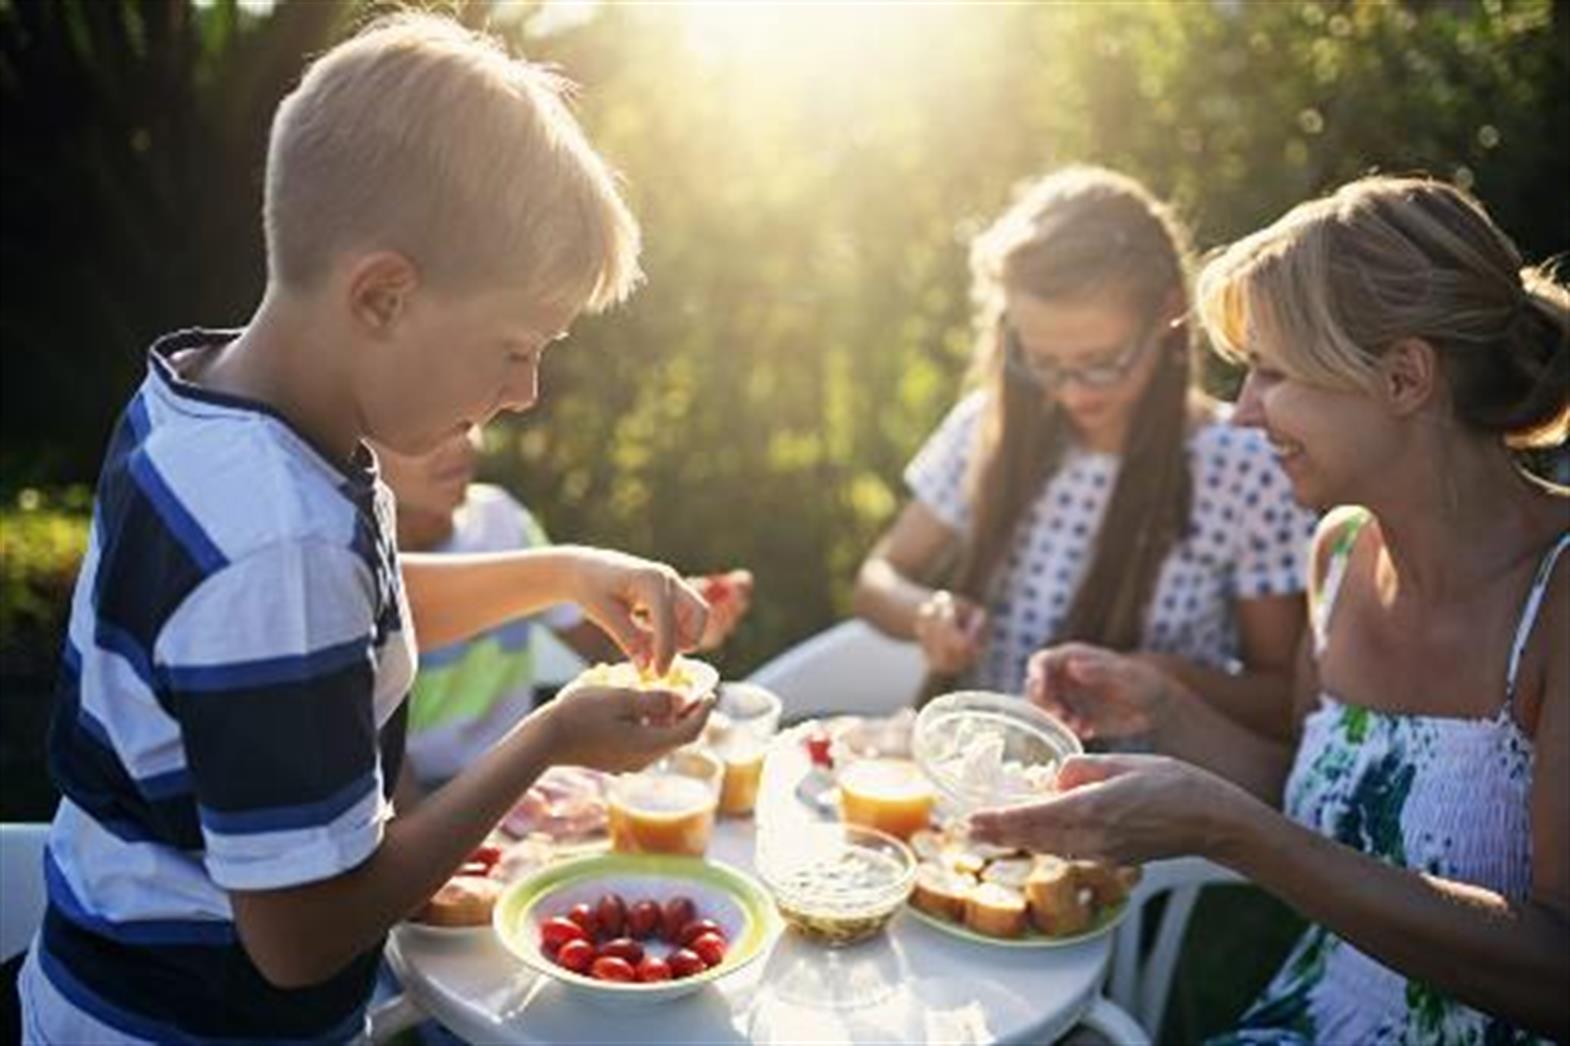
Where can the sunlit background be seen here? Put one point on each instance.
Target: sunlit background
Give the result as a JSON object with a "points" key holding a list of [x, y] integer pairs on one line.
{"points": [[807, 176]]}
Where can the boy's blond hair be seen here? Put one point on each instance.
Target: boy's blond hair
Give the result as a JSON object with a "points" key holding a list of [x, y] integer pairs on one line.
{"points": [[420, 136]]}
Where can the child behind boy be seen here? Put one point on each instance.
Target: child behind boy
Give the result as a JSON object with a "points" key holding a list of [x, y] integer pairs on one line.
{"points": [[468, 695], [224, 863]]}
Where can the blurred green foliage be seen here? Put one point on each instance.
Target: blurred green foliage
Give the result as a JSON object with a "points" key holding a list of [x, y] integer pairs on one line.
{"points": [[42, 541], [807, 178]]}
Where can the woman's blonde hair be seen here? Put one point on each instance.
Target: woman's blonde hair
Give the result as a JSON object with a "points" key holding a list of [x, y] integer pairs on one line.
{"points": [[1081, 234], [424, 137], [1337, 281]]}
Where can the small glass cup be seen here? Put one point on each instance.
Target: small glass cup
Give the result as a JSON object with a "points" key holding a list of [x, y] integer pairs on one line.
{"points": [[669, 807], [744, 721]]}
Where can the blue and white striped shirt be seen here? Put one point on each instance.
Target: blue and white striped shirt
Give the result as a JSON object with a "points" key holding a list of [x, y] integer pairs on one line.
{"points": [[230, 717]]}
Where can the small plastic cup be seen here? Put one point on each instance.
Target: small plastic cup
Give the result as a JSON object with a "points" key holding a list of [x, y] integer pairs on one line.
{"points": [[668, 808], [744, 721], [890, 795]]}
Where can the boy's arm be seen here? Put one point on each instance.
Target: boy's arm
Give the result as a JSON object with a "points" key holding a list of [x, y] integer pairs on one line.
{"points": [[302, 935], [644, 606]]}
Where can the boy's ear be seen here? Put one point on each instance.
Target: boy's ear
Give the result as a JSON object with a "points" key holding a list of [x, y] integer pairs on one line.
{"points": [[379, 288], [1409, 375]]}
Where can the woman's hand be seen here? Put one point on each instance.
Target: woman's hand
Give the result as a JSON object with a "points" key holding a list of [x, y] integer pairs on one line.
{"points": [[949, 629], [1124, 808], [644, 606], [615, 730], [1096, 692]]}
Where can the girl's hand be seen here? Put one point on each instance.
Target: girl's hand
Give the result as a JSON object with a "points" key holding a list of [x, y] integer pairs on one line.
{"points": [[729, 596], [1124, 808], [1096, 692], [644, 606], [617, 730], [949, 629]]}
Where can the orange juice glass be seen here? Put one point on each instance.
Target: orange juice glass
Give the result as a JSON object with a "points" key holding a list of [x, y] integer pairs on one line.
{"points": [[745, 718], [668, 808], [891, 795]]}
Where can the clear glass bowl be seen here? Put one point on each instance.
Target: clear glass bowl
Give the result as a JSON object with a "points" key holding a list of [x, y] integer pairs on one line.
{"points": [[985, 749], [837, 883]]}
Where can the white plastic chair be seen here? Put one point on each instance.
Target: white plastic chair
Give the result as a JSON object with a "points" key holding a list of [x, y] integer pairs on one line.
{"points": [[850, 669], [1114, 1023], [1140, 984], [21, 885]]}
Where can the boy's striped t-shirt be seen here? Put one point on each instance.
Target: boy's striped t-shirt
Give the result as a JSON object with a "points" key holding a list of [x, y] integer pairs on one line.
{"points": [[229, 717]]}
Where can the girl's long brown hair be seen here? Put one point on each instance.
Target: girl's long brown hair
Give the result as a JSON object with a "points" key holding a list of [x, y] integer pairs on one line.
{"points": [[1084, 233]]}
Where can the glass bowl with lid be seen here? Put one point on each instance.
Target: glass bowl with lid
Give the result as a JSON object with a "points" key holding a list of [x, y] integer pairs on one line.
{"points": [[983, 749]]}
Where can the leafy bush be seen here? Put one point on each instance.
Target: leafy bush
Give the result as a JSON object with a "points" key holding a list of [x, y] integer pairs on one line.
{"points": [[42, 542]]}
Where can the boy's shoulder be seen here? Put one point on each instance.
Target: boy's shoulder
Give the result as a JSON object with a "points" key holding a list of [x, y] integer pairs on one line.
{"points": [[247, 481]]}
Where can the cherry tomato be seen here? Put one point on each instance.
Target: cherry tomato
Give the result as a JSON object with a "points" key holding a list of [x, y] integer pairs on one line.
{"points": [[556, 931], [609, 915], [710, 947], [583, 915], [684, 963], [679, 911], [643, 919], [818, 743], [623, 948], [697, 928], [653, 968], [576, 955], [612, 968], [487, 855]]}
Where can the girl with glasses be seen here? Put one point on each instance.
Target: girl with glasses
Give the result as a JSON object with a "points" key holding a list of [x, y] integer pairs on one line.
{"points": [[1083, 490]]}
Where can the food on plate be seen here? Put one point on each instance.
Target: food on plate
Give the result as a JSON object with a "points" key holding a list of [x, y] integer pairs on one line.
{"points": [[942, 891], [463, 900], [1003, 893], [567, 804], [1059, 905], [891, 795], [686, 676], [995, 910], [692, 945]]}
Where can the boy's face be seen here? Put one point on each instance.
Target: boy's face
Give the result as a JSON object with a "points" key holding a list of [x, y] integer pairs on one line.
{"points": [[432, 365]]}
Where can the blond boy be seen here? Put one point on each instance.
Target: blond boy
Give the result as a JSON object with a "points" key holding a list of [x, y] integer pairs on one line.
{"points": [[224, 863]]}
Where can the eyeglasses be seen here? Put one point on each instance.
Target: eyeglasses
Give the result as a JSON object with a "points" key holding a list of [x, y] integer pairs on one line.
{"points": [[1049, 375]]}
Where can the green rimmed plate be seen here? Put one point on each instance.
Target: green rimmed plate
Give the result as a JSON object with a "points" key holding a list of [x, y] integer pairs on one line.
{"points": [[730, 897], [1104, 922]]}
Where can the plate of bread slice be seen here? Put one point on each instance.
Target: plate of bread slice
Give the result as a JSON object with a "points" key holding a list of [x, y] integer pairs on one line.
{"points": [[1011, 897]]}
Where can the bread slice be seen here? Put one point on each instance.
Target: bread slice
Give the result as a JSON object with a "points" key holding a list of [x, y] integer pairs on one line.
{"points": [[1008, 871], [1058, 908], [962, 859], [942, 891], [1106, 882], [463, 900], [996, 911]]}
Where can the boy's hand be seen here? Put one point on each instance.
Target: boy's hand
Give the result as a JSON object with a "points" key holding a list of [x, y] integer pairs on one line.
{"points": [[644, 606], [729, 596], [616, 730]]}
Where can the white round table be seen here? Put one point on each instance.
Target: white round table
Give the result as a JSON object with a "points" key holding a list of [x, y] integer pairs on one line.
{"points": [[914, 983]]}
